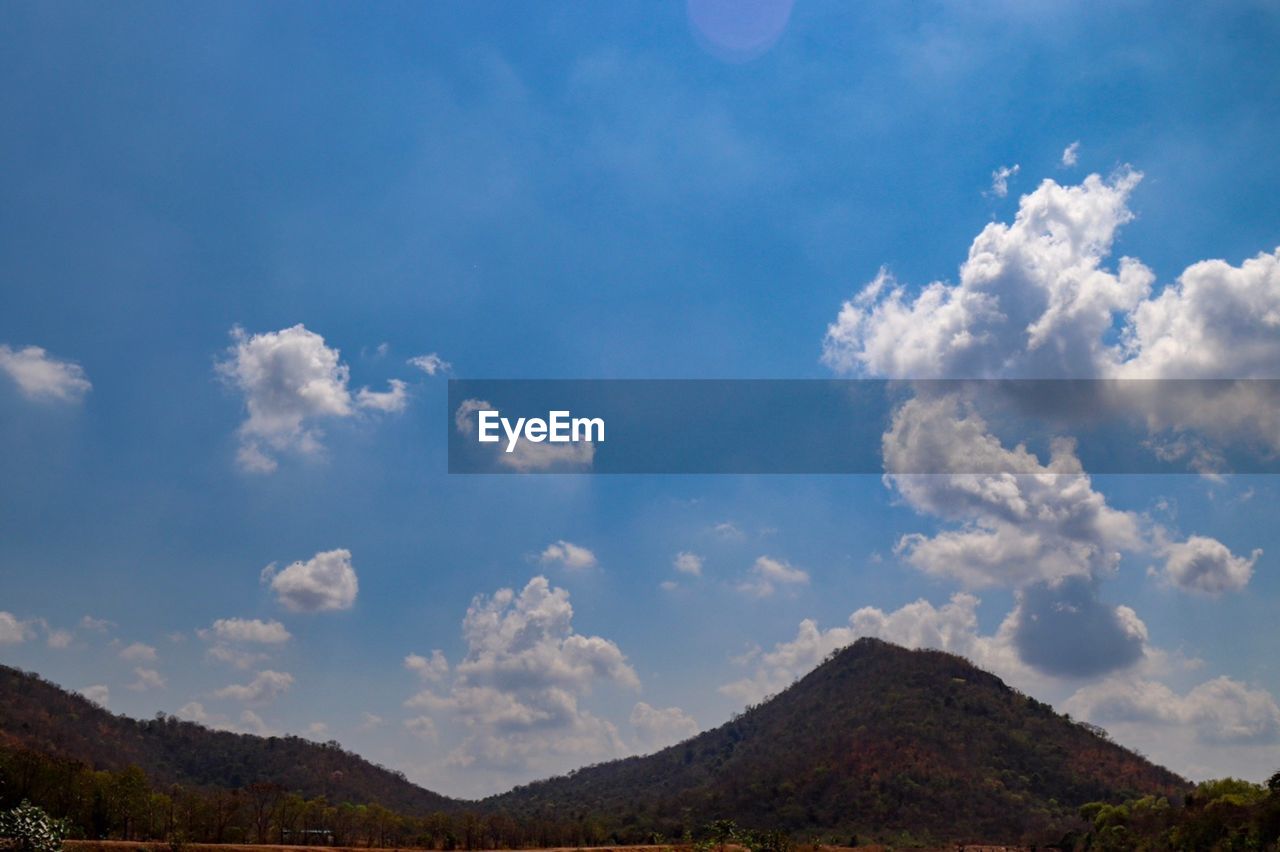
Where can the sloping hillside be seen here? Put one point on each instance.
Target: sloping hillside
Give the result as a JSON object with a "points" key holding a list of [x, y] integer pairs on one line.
{"points": [[877, 741], [46, 718]]}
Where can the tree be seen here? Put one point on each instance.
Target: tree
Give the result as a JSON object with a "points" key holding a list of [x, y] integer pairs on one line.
{"points": [[27, 828]]}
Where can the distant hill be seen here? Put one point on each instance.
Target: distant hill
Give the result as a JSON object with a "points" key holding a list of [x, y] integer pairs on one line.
{"points": [[41, 716], [877, 741]]}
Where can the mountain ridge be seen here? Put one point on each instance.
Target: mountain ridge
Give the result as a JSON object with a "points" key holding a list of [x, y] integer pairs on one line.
{"points": [[877, 741]]}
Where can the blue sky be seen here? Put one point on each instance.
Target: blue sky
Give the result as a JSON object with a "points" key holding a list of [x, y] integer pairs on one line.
{"points": [[532, 192]]}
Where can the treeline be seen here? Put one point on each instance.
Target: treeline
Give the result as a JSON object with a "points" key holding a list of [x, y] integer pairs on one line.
{"points": [[125, 805], [1227, 814]]}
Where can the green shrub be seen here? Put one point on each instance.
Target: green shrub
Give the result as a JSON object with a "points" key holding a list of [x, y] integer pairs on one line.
{"points": [[27, 828]]}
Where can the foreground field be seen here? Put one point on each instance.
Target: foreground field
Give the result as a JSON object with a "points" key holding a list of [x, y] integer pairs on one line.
{"points": [[139, 846]]}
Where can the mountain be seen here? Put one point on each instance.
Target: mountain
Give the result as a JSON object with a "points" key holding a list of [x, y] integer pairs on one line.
{"points": [[43, 717], [877, 742]]}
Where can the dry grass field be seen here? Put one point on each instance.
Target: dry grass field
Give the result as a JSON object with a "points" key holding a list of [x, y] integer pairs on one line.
{"points": [[153, 846]]}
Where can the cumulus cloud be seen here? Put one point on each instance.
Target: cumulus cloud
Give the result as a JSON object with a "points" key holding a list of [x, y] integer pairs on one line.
{"points": [[1063, 628], [688, 563], [39, 375], [147, 679], [1221, 711], [390, 401], [13, 631], [59, 639], [193, 711], [656, 728], [1035, 522], [1215, 321], [252, 723], [291, 381], [1000, 179], [518, 690], [230, 636], [98, 693], [370, 721], [422, 727], [569, 555], [1032, 301], [139, 652], [430, 668], [1207, 566], [768, 574], [237, 657], [1071, 155], [430, 364], [247, 630], [266, 686], [325, 582]]}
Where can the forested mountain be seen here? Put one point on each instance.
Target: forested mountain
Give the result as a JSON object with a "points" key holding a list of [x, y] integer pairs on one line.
{"points": [[879, 741], [41, 716]]}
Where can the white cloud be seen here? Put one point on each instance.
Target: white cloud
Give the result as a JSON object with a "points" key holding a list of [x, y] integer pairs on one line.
{"points": [[12, 630], [430, 669], [688, 563], [147, 679], [430, 364], [517, 692], [569, 555], [230, 635], [727, 529], [464, 420], [1071, 155], [291, 380], [317, 731], [1206, 565], [193, 711], [252, 723], [668, 585], [1216, 321], [1035, 522], [767, 574], [41, 376], [139, 652], [1000, 179], [247, 630], [370, 721], [266, 686], [59, 639], [658, 728], [422, 727], [97, 625], [389, 401], [325, 582], [1033, 300], [98, 693], [1221, 711], [237, 657]]}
